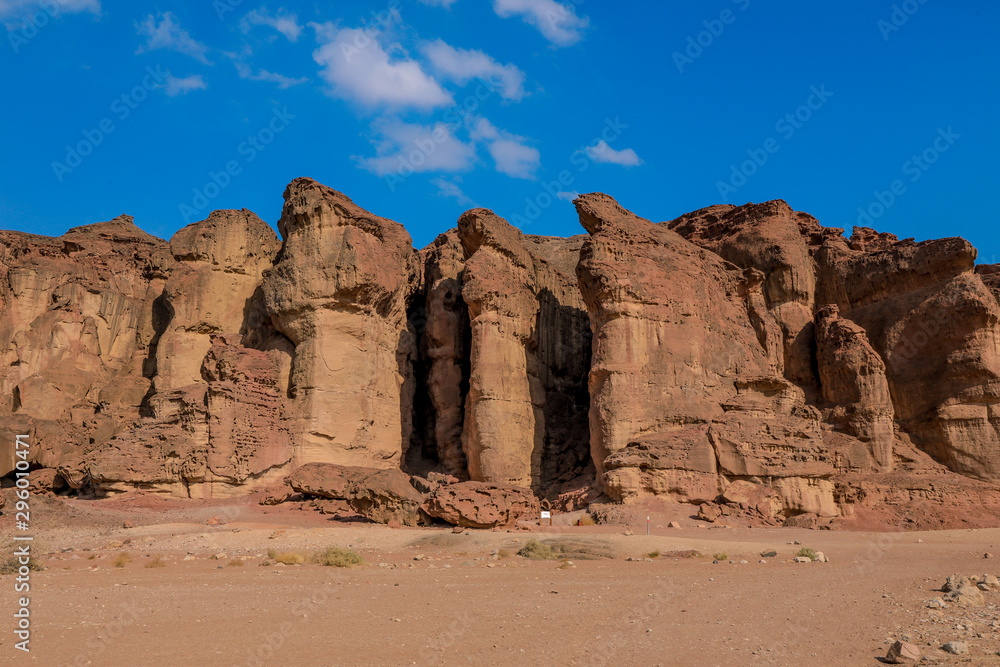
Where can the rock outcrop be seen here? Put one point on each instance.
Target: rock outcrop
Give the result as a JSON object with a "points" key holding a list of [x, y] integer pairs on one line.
{"points": [[339, 293], [853, 383], [742, 358], [76, 333], [525, 421], [445, 348]]}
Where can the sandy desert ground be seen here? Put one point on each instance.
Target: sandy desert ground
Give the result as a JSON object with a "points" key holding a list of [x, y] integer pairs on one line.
{"points": [[433, 597]]}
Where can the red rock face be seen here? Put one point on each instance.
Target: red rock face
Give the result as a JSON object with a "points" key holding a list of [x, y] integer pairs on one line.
{"points": [[339, 293], [745, 358], [525, 419], [75, 333]]}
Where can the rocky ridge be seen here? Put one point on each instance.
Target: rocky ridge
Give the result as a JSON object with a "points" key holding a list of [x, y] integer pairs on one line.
{"points": [[744, 359]]}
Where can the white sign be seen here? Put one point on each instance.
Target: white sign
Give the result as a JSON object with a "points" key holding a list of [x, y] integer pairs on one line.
{"points": [[546, 515]]}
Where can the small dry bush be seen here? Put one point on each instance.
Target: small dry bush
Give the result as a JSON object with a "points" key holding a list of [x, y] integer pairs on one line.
{"points": [[157, 561], [236, 562], [12, 565], [290, 558], [535, 550], [121, 560], [337, 557], [448, 540]]}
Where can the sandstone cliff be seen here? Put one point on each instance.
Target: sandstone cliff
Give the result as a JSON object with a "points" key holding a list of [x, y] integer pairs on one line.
{"points": [[743, 358], [339, 293]]}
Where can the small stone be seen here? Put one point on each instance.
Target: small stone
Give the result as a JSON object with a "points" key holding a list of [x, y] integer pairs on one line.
{"points": [[458, 529], [956, 648], [769, 554], [673, 524], [987, 555], [419, 557], [983, 587], [762, 561], [901, 653], [628, 531], [802, 559], [920, 541], [743, 562], [128, 524], [188, 557], [820, 558]]}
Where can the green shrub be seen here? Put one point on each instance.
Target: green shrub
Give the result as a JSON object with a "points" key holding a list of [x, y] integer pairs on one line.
{"points": [[721, 556]]}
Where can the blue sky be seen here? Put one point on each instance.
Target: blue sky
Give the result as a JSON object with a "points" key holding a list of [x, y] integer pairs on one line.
{"points": [[874, 112]]}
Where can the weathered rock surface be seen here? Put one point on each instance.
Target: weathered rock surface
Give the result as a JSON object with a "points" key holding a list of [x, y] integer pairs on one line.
{"points": [[481, 505], [525, 421], [76, 330], [445, 348], [219, 265], [746, 359], [853, 383], [936, 325], [379, 494], [339, 292]]}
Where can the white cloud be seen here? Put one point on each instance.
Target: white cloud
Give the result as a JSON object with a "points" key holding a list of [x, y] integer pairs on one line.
{"points": [[557, 21], [463, 65], [510, 153], [568, 196], [22, 8], [602, 152], [405, 148], [439, 3], [451, 189], [168, 34], [246, 72], [283, 21], [174, 86], [359, 69]]}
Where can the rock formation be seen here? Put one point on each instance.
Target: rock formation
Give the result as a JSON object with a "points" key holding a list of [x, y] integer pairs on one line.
{"points": [[525, 411], [445, 348], [339, 293], [742, 358]]}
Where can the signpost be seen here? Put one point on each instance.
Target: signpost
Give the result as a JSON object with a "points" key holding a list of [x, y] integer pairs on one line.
{"points": [[546, 515]]}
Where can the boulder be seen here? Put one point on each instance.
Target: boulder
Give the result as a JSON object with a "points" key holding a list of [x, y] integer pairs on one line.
{"points": [[481, 505], [377, 494]]}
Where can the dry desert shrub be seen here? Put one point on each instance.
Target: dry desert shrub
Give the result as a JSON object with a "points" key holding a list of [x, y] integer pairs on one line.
{"points": [[236, 562], [535, 550], [13, 564], [806, 552], [337, 557], [447, 540], [290, 558], [157, 561], [121, 560]]}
